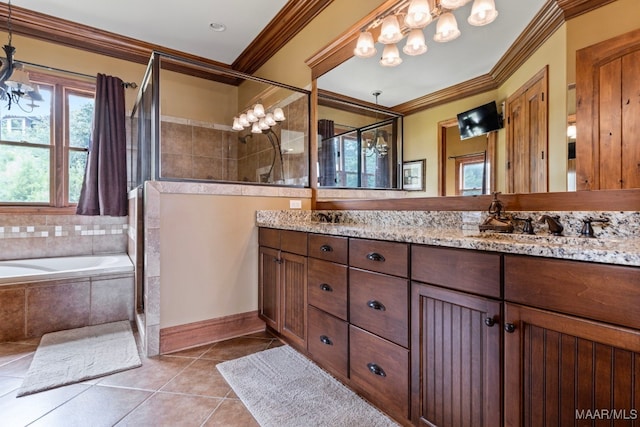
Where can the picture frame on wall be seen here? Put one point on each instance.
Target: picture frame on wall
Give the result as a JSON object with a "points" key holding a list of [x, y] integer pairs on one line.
{"points": [[413, 173]]}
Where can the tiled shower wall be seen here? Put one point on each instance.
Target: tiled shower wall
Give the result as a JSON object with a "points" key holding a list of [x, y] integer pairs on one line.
{"points": [[209, 151], [39, 236]]}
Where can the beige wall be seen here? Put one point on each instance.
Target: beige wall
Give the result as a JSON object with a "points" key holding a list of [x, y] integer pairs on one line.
{"points": [[209, 255]]}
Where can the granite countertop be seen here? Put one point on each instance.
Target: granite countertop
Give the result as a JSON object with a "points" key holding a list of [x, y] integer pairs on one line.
{"points": [[609, 250]]}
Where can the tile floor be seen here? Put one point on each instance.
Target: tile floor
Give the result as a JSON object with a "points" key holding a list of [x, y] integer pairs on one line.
{"points": [[179, 389]]}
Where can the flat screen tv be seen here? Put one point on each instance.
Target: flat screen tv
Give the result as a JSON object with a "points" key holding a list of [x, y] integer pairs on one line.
{"points": [[479, 121]]}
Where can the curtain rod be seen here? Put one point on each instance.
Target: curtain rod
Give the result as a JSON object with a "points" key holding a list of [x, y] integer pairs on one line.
{"points": [[467, 155], [127, 85]]}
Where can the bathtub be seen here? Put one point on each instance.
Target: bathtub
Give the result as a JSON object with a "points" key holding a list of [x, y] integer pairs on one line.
{"points": [[43, 295], [37, 269]]}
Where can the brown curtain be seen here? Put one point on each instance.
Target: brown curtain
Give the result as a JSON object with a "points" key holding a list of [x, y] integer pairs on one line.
{"points": [[327, 155], [104, 189]]}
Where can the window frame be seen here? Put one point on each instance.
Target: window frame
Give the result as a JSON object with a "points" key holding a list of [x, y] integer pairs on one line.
{"points": [[61, 87], [460, 165]]}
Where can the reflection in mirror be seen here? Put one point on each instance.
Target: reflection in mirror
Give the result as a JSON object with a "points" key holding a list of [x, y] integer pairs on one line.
{"points": [[359, 146], [571, 138]]}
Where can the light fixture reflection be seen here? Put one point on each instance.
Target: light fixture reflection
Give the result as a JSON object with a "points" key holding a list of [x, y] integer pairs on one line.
{"points": [[390, 56], [416, 44], [418, 14], [483, 12], [447, 28], [390, 31], [453, 4], [365, 47]]}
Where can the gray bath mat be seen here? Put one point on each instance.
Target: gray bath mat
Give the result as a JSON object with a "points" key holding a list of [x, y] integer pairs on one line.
{"points": [[280, 387], [75, 355]]}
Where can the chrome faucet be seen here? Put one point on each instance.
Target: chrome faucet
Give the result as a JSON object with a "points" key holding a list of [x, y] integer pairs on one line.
{"points": [[555, 227]]}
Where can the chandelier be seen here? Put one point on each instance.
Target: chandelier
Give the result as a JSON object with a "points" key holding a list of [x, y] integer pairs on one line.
{"points": [[377, 145], [417, 15], [14, 81], [258, 119]]}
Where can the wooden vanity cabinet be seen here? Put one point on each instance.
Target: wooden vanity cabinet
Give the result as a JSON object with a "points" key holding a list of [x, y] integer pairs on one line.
{"points": [[328, 329], [282, 297], [571, 342], [455, 337]]}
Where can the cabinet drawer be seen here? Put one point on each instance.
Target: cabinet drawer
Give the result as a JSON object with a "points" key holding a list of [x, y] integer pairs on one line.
{"points": [[383, 257], [269, 237], [327, 287], [609, 293], [380, 369], [380, 304], [328, 341], [464, 270], [329, 248], [294, 242]]}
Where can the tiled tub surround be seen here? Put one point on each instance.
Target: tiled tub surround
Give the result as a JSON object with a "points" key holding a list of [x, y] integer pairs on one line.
{"points": [[44, 236], [617, 242], [31, 309]]}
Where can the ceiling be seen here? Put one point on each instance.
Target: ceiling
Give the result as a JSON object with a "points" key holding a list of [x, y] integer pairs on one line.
{"points": [[187, 29]]}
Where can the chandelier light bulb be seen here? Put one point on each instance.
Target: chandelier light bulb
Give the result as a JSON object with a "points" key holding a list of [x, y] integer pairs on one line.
{"points": [[262, 124], [278, 115], [269, 119], [447, 28], [365, 47], [236, 124], [244, 122], [416, 44], [258, 110], [390, 31], [255, 128], [251, 116], [483, 12], [390, 56], [418, 14], [453, 4]]}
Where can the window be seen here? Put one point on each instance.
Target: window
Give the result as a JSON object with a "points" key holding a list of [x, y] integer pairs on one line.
{"points": [[44, 145], [471, 172]]}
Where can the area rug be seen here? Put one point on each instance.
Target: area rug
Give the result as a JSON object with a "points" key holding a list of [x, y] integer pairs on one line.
{"points": [[75, 355], [280, 387]]}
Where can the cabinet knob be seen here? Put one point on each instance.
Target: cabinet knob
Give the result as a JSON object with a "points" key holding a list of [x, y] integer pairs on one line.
{"points": [[325, 287], [489, 321], [325, 340], [326, 248], [374, 256], [509, 327], [376, 370], [376, 305]]}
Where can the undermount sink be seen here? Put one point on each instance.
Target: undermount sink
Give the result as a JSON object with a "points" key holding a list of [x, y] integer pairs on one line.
{"points": [[547, 239]]}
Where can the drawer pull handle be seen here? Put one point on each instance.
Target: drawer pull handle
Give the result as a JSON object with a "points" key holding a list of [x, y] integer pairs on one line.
{"points": [[376, 305], [325, 340], [326, 288], [489, 321], [509, 327], [374, 256], [326, 248], [375, 369]]}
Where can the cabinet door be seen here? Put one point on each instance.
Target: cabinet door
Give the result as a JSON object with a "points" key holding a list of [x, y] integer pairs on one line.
{"points": [[269, 287], [293, 297], [564, 371], [455, 358]]}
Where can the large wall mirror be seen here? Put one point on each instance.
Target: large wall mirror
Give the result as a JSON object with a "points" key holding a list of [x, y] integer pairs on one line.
{"points": [[430, 129]]}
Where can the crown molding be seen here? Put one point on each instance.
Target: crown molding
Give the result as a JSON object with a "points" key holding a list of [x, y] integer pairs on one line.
{"points": [[295, 15], [291, 19]]}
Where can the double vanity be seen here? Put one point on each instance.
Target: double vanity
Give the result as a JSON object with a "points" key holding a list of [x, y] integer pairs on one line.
{"points": [[439, 324]]}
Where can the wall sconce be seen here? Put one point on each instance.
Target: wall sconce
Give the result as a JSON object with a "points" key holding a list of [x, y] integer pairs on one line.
{"points": [[258, 119]]}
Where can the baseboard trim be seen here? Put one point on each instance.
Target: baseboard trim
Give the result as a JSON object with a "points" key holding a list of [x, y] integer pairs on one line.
{"points": [[181, 337]]}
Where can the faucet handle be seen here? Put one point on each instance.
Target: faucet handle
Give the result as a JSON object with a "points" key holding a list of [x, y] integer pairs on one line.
{"points": [[587, 229], [527, 228]]}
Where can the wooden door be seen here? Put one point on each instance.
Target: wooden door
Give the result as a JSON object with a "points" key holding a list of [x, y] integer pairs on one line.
{"points": [[527, 137], [565, 371], [608, 114], [268, 287], [455, 352], [293, 298]]}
